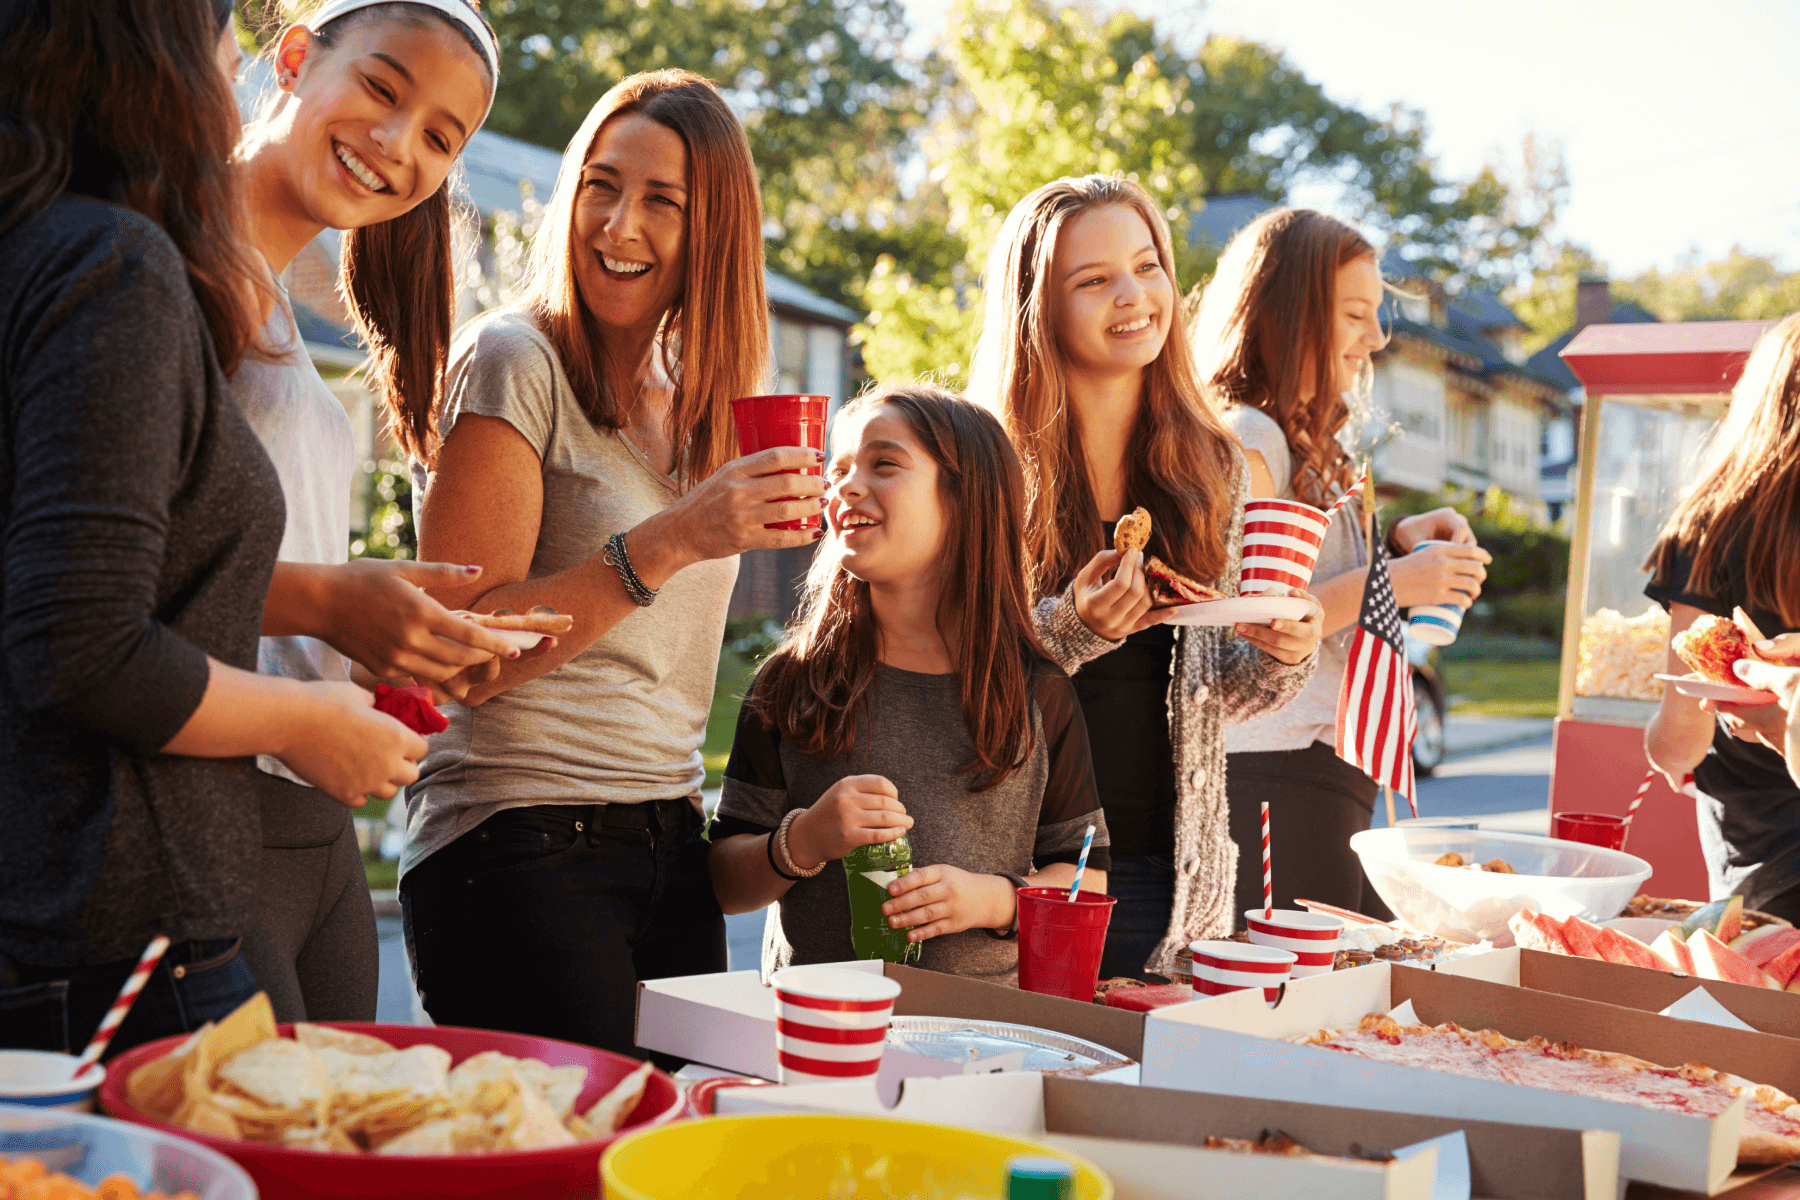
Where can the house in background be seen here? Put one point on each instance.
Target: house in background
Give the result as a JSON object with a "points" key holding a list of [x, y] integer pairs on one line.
{"points": [[808, 333]]}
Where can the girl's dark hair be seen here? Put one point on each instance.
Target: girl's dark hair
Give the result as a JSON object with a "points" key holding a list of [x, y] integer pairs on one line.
{"points": [[399, 276], [815, 687], [122, 100]]}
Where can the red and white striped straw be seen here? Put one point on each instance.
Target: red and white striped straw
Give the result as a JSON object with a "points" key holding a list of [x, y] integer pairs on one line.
{"points": [[127, 996], [1268, 876], [1348, 496], [1649, 778]]}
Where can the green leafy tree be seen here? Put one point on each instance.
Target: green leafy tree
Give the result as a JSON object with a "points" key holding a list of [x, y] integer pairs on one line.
{"points": [[1741, 287]]}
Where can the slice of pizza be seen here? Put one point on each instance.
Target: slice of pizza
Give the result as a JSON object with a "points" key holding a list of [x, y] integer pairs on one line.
{"points": [[541, 619], [1710, 646], [1169, 587]]}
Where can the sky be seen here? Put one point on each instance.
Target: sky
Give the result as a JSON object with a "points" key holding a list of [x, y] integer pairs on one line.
{"points": [[1678, 120]]}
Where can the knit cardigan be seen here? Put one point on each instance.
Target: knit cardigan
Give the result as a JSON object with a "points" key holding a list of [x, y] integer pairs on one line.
{"points": [[1217, 678]]}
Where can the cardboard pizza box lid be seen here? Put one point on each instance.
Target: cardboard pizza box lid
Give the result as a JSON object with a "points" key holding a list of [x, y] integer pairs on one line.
{"points": [[1151, 1140], [1234, 1045]]}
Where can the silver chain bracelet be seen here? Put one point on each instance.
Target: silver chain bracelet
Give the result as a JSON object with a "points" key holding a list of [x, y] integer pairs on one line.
{"points": [[616, 557]]}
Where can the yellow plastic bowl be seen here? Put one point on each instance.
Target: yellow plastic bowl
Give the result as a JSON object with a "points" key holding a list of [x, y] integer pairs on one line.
{"points": [[807, 1157]]}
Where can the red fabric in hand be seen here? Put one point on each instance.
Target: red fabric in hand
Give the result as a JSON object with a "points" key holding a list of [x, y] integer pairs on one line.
{"points": [[412, 707]]}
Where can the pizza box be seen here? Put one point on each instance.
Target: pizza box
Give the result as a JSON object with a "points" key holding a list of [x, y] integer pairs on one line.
{"points": [[1151, 1140], [1763, 1009], [727, 1020], [1233, 1045]]}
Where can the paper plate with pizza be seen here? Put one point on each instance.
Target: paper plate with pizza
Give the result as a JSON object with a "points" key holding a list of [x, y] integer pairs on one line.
{"points": [[1711, 647], [1191, 602]]}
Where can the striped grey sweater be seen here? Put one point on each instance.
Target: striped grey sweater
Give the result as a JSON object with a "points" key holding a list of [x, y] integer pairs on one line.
{"points": [[1217, 679]]}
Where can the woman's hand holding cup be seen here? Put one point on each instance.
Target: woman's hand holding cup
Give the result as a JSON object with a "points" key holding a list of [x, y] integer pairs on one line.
{"points": [[731, 511], [1442, 573]]}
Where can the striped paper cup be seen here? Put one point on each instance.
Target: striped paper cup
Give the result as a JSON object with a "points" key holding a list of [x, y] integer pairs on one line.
{"points": [[1281, 545], [830, 1024], [1313, 937], [1221, 967]]}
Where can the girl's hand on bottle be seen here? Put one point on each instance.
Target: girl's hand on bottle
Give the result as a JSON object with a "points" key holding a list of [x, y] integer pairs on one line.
{"points": [[345, 748], [1112, 597], [931, 901], [1288, 641], [730, 510], [1439, 575], [857, 810]]}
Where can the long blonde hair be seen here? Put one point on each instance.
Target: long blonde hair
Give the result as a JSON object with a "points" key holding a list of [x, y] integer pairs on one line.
{"points": [[1747, 498], [1262, 336], [1179, 464], [714, 340]]}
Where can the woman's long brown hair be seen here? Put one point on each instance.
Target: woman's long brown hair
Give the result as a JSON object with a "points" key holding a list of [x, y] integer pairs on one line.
{"points": [[123, 100], [1747, 498], [399, 276], [815, 687], [1179, 461], [714, 341], [1262, 337]]}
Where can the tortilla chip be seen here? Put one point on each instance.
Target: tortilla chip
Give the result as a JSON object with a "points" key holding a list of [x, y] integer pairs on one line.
{"points": [[558, 1086], [321, 1036], [251, 1022], [433, 1137], [280, 1073], [203, 1116], [423, 1069], [156, 1088], [610, 1112], [537, 1126]]}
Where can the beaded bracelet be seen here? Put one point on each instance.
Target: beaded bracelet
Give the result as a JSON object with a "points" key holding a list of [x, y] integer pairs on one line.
{"points": [[781, 841], [616, 557], [774, 866]]}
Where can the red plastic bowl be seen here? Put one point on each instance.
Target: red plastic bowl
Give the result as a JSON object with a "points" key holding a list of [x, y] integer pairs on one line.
{"points": [[551, 1174]]}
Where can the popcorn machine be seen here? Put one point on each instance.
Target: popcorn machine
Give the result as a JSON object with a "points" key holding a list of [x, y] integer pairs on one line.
{"points": [[1654, 394]]}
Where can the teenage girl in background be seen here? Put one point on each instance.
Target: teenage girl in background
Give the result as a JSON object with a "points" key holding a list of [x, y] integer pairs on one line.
{"points": [[1083, 355], [1283, 336], [910, 695]]}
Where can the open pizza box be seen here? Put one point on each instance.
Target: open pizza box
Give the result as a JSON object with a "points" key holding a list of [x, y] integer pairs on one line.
{"points": [[1151, 1140], [1234, 1045], [1763, 1009], [727, 1020]]}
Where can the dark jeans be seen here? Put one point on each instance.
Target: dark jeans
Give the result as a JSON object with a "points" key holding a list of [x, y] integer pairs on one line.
{"points": [[1316, 802], [59, 1008], [1144, 889], [542, 920]]}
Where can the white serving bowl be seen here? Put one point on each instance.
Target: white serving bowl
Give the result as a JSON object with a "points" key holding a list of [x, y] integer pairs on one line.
{"points": [[91, 1148], [1558, 878]]}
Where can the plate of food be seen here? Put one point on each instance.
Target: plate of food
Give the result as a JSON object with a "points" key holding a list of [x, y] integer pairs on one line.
{"points": [[1241, 610], [390, 1110], [1711, 647], [1702, 688]]}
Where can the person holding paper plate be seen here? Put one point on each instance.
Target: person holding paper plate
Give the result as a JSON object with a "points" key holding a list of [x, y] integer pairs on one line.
{"points": [[1733, 542], [1297, 278], [1084, 358]]}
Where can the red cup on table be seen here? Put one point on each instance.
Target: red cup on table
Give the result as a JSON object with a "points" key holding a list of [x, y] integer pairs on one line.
{"points": [[1221, 967], [765, 422], [1594, 829], [830, 1023], [1281, 545], [1312, 937], [1060, 941]]}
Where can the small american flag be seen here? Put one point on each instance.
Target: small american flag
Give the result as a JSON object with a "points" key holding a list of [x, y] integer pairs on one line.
{"points": [[1375, 717]]}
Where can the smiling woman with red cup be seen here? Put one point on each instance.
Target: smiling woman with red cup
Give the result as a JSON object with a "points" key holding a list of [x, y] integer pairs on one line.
{"points": [[583, 457], [1084, 357], [1291, 279]]}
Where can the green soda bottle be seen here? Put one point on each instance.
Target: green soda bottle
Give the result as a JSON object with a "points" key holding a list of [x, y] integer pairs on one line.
{"points": [[868, 870], [1031, 1177]]}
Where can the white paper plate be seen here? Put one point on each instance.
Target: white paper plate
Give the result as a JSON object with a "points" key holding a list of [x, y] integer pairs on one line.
{"points": [[518, 639], [1705, 689], [1234, 610]]}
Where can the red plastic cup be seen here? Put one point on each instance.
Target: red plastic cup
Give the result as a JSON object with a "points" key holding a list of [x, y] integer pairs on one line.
{"points": [[1593, 829], [1060, 941], [764, 422]]}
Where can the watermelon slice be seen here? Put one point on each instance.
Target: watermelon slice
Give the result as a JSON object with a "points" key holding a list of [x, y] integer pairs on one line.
{"points": [[1534, 931], [1552, 929], [1583, 938], [1724, 919], [1784, 968], [1622, 947], [1765, 949], [1673, 951], [1713, 959], [1156, 995]]}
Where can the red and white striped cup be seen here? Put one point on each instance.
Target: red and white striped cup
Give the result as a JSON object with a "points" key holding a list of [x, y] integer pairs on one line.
{"points": [[830, 1024], [1281, 545], [1312, 937], [1221, 967]]}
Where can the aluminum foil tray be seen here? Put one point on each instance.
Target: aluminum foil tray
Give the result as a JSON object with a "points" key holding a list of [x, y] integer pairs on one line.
{"points": [[950, 1039]]}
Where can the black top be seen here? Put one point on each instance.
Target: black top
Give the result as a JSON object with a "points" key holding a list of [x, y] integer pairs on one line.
{"points": [[916, 738], [140, 520], [1125, 698], [1756, 810]]}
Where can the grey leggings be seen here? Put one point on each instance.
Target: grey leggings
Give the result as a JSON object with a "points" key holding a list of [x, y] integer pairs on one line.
{"points": [[311, 934]]}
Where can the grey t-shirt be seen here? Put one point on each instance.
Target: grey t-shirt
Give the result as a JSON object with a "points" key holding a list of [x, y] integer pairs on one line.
{"points": [[917, 739], [622, 721], [1312, 715]]}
